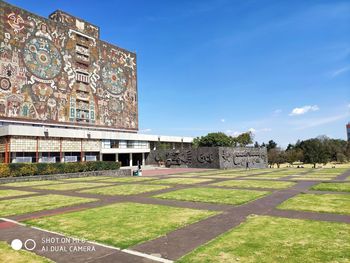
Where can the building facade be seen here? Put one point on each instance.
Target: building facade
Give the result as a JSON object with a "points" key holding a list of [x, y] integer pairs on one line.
{"points": [[66, 95], [348, 131]]}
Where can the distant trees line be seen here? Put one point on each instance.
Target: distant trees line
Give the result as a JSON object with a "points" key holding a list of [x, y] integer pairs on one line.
{"points": [[320, 150]]}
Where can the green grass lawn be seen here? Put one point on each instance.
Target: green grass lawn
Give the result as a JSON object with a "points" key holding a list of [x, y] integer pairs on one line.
{"points": [[69, 186], [12, 193], [86, 178], [269, 176], [262, 177], [222, 176], [214, 195], [311, 178], [127, 189], [327, 176], [330, 171], [325, 203], [340, 187], [123, 224], [265, 239], [7, 254], [38, 203], [130, 179], [32, 183], [255, 184], [181, 181]]}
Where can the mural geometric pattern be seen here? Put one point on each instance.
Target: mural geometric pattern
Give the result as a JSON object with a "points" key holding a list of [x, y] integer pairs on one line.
{"points": [[57, 70], [42, 58]]}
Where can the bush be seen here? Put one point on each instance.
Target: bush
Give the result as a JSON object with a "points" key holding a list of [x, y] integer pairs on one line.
{"points": [[4, 170], [27, 169]]}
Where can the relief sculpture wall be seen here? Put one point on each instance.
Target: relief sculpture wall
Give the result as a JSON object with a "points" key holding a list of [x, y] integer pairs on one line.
{"points": [[58, 71], [211, 157]]}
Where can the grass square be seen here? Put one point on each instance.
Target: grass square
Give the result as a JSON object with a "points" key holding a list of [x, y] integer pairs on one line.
{"points": [[32, 183], [12, 193], [268, 176], [86, 178], [324, 203], [69, 186], [181, 181], [126, 189], [311, 178], [214, 195], [122, 224], [339, 187], [223, 176], [8, 254], [255, 184], [266, 239], [130, 179], [38, 203]]}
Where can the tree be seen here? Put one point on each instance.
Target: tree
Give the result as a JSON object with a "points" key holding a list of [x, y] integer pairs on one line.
{"points": [[314, 151], [213, 140], [271, 145], [163, 146], [256, 145], [293, 155], [245, 138], [276, 156]]}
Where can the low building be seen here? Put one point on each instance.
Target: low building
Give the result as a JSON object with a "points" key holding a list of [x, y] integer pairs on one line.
{"points": [[66, 95]]}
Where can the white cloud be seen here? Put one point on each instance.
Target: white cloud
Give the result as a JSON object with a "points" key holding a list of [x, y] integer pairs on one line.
{"points": [[259, 130], [232, 132], [222, 120], [252, 130], [340, 71], [303, 110], [277, 112], [309, 123]]}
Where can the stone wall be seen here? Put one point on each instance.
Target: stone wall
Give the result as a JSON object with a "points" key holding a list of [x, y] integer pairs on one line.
{"points": [[210, 157]]}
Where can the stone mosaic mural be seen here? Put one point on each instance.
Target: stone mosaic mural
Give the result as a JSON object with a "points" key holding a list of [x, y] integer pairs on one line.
{"points": [[57, 70], [211, 157]]}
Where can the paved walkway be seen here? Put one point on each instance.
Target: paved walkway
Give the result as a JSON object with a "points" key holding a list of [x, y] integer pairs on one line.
{"points": [[179, 242]]}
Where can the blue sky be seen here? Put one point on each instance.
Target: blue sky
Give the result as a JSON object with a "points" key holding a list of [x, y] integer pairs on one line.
{"points": [[278, 68]]}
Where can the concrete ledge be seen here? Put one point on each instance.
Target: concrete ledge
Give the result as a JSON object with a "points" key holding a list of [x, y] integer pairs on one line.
{"points": [[120, 172]]}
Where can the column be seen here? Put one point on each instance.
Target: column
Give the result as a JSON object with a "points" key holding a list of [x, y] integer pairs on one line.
{"points": [[82, 159], [117, 157], [143, 159], [61, 154], [130, 159], [7, 147], [37, 150]]}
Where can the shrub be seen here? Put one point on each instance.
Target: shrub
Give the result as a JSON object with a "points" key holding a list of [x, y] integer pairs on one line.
{"points": [[27, 169], [4, 170]]}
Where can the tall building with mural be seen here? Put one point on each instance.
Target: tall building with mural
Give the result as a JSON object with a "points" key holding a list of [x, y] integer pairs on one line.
{"points": [[66, 95]]}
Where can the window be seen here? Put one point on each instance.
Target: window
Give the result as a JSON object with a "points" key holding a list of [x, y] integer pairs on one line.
{"points": [[106, 144]]}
